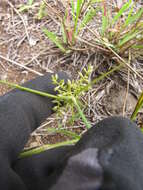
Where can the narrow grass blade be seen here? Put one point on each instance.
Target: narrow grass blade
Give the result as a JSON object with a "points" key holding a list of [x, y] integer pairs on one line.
{"points": [[129, 17], [88, 17], [129, 37], [43, 148], [24, 8], [132, 18], [73, 10], [96, 1], [54, 39], [41, 12], [78, 8], [104, 20], [30, 2], [139, 105], [104, 75], [64, 132], [125, 7], [64, 33], [86, 122], [138, 46]]}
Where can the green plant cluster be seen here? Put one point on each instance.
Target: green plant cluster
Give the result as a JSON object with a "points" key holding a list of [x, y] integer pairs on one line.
{"points": [[31, 4], [70, 93], [73, 22], [121, 31], [124, 30]]}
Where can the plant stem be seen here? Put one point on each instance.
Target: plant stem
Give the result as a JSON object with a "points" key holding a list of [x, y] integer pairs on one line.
{"points": [[64, 132], [43, 148], [138, 107], [86, 122], [29, 90], [79, 4], [106, 74], [45, 94]]}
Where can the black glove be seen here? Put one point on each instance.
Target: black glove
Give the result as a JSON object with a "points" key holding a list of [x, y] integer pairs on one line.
{"points": [[20, 113], [109, 156]]}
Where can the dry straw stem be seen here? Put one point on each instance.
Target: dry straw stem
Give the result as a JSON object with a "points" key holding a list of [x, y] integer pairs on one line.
{"points": [[127, 89], [26, 31], [20, 65], [52, 9]]}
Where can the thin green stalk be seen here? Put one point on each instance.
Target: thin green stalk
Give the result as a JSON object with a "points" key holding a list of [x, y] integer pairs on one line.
{"points": [[123, 61], [29, 90], [79, 4], [106, 74], [43, 148], [64, 132], [86, 122], [139, 105]]}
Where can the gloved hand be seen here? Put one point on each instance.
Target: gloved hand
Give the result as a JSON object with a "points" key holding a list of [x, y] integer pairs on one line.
{"points": [[20, 113], [109, 156]]}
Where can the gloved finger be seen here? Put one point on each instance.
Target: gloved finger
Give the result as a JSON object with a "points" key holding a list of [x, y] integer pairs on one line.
{"points": [[21, 112], [108, 156], [40, 167]]}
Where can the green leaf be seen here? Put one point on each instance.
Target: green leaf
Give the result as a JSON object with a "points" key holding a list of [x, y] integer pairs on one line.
{"points": [[104, 22], [30, 2], [78, 9], [138, 46], [52, 36], [43, 148], [88, 17], [41, 12], [24, 8], [96, 1], [63, 33], [139, 105], [133, 18], [125, 7], [128, 37], [129, 17], [86, 122], [73, 9], [64, 132]]}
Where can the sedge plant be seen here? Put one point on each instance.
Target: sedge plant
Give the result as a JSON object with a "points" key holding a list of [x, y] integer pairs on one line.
{"points": [[31, 4], [123, 29], [77, 15], [70, 23], [69, 95]]}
